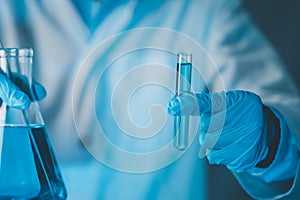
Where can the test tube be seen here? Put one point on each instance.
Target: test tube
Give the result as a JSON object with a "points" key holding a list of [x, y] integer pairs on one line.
{"points": [[183, 84]]}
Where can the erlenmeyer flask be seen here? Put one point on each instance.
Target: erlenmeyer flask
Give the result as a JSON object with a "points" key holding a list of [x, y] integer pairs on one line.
{"points": [[28, 167]]}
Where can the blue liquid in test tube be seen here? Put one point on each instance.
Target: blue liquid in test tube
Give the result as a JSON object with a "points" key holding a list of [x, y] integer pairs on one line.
{"points": [[183, 84]]}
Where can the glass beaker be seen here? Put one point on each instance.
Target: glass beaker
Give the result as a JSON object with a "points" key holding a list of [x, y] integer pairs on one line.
{"points": [[28, 167]]}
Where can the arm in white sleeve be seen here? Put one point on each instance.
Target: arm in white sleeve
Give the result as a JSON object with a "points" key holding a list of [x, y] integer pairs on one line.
{"points": [[277, 179], [248, 62]]}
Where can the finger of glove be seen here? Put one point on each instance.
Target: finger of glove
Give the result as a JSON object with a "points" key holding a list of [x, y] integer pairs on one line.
{"points": [[12, 95], [216, 119], [185, 104], [229, 129], [237, 157], [216, 102], [210, 103], [231, 115], [242, 98], [39, 91], [189, 104]]}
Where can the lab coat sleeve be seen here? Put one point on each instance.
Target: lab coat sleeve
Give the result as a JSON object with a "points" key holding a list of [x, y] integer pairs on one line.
{"points": [[247, 61]]}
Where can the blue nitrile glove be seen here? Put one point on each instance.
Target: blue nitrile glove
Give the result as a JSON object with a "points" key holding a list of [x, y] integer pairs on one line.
{"points": [[247, 138], [14, 97]]}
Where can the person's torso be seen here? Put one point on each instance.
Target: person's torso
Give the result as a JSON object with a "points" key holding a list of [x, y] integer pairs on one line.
{"points": [[117, 87]]}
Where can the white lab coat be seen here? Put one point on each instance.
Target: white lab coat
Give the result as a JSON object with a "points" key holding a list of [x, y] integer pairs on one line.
{"points": [[62, 41]]}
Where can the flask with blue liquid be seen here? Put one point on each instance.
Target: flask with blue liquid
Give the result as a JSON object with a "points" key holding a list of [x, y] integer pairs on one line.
{"points": [[28, 167]]}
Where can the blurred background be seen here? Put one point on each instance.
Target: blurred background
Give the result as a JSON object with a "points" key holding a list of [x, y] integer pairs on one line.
{"points": [[279, 21]]}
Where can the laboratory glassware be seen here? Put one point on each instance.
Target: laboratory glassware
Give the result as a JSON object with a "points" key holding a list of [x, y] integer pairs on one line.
{"points": [[28, 167], [183, 84]]}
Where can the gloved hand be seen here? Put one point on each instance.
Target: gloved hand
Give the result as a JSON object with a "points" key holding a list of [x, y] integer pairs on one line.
{"points": [[236, 129], [14, 97]]}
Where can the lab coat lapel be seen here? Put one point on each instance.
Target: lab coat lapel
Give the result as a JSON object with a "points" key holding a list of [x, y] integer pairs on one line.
{"points": [[65, 15]]}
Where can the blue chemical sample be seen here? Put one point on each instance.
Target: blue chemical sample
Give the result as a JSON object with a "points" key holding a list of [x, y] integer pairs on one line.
{"points": [[28, 167], [183, 84], [18, 174], [50, 177]]}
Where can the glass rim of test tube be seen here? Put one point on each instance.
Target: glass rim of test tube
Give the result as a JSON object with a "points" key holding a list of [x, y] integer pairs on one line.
{"points": [[184, 57]]}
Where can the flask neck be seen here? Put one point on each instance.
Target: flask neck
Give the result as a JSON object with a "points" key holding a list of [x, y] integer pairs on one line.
{"points": [[16, 64]]}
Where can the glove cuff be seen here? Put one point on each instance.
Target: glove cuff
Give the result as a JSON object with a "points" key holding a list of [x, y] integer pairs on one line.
{"points": [[272, 134]]}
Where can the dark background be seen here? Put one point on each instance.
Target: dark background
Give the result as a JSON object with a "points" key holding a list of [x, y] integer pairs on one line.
{"points": [[280, 22]]}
